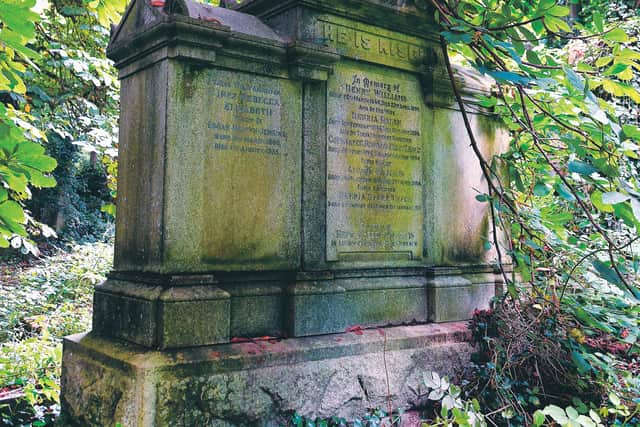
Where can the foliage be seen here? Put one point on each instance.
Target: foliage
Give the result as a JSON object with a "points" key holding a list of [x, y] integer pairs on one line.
{"points": [[41, 303], [23, 163], [454, 410], [376, 418], [55, 83], [617, 412], [75, 98], [566, 213]]}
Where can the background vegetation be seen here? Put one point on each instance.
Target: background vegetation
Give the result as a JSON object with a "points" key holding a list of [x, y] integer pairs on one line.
{"points": [[560, 347]]}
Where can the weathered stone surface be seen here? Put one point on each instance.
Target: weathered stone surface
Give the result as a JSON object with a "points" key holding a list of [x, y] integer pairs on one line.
{"points": [[234, 167], [256, 383], [458, 224], [374, 165], [454, 297], [153, 315]]}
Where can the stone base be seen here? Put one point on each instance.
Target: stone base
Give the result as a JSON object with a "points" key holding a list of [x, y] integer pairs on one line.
{"points": [[171, 312], [256, 383]]}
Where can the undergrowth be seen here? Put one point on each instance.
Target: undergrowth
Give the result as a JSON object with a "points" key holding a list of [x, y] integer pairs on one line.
{"points": [[40, 303]]}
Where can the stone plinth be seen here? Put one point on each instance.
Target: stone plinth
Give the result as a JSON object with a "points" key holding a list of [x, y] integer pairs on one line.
{"points": [[254, 383]]}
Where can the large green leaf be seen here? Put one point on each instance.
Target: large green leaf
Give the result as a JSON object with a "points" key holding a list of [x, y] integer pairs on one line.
{"points": [[617, 35], [563, 191], [581, 167], [12, 211], [39, 162], [582, 365], [19, 17], [606, 272]]}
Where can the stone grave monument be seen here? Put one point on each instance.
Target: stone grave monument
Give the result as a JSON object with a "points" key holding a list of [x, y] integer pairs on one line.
{"points": [[295, 170]]}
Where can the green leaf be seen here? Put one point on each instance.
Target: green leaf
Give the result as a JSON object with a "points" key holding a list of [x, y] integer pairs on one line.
{"points": [[586, 421], [604, 60], [598, 21], [533, 57], [631, 131], [624, 212], [632, 93], [12, 211], [564, 192], [109, 208], [41, 163], [507, 77], [541, 189], [559, 11], [582, 168], [557, 413], [596, 199], [613, 198], [4, 194], [42, 181], [557, 25], [614, 399], [16, 182], [626, 74], [583, 367], [616, 35], [579, 404], [4, 243], [543, 6], [457, 37], [559, 218], [614, 88], [606, 272], [538, 418], [615, 69], [574, 79], [19, 18]]}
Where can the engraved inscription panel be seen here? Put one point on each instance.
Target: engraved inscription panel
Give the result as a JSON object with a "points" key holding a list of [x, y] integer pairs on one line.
{"points": [[251, 159], [365, 42], [374, 165]]}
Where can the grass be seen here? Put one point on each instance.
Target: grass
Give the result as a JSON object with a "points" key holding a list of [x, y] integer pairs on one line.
{"points": [[40, 302]]}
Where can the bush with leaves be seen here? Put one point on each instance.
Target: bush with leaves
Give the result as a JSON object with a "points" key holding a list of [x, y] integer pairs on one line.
{"points": [[568, 207], [75, 99], [23, 162], [55, 84], [41, 303]]}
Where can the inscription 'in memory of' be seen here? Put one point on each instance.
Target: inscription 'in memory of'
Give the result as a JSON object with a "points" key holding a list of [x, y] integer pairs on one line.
{"points": [[374, 164]]}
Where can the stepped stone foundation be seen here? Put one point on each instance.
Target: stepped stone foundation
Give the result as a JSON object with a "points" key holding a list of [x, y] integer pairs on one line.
{"points": [[255, 383]]}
